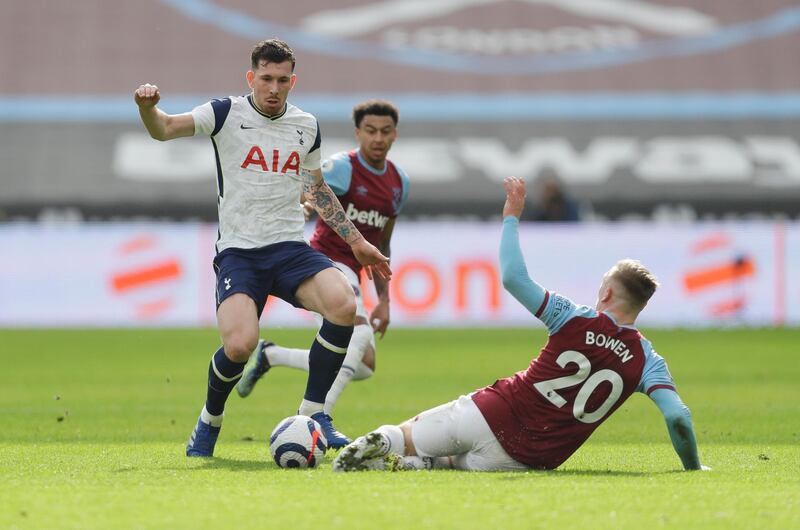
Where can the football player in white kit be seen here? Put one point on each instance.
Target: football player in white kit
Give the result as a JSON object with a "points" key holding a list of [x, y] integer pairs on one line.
{"points": [[373, 191], [267, 154]]}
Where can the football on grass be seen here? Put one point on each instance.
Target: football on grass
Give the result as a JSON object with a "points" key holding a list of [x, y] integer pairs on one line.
{"points": [[297, 441]]}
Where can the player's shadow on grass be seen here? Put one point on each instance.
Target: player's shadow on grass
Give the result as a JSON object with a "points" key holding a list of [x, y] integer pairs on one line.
{"points": [[234, 465]]}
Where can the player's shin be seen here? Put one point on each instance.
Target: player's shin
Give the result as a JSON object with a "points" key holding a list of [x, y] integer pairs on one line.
{"points": [[223, 374], [359, 342], [324, 360]]}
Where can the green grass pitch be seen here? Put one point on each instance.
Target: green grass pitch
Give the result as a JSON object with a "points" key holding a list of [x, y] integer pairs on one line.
{"points": [[93, 426]]}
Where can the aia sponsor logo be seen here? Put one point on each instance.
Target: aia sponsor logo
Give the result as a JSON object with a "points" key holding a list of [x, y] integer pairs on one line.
{"points": [[276, 163]]}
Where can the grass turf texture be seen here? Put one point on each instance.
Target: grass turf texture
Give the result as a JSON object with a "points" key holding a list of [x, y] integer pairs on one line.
{"points": [[94, 425]]}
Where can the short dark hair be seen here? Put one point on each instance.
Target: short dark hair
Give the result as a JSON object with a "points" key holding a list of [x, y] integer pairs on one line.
{"points": [[271, 51], [375, 107]]}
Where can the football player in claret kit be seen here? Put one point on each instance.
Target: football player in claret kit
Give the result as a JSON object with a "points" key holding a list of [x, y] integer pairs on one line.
{"points": [[268, 154], [593, 361], [372, 190]]}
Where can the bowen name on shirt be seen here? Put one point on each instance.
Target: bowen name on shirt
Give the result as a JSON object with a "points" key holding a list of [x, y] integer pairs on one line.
{"points": [[615, 345]]}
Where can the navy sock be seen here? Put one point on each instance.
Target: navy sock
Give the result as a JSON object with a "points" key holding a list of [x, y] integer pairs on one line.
{"points": [[223, 374], [325, 358]]}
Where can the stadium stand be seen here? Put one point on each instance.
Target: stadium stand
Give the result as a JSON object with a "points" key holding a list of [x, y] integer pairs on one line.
{"points": [[684, 111]]}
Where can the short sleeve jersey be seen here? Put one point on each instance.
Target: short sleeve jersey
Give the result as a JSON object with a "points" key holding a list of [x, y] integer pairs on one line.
{"points": [[588, 368], [259, 160], [370, 199]]}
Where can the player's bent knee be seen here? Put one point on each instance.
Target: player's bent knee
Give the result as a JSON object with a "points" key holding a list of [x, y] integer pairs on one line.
{"points": [[239, 346], [341, 310], [347, 303]]}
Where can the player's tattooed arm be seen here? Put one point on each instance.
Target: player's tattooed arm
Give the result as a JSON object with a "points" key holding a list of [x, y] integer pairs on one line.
{"points": [[328, 207], [324, 201]]}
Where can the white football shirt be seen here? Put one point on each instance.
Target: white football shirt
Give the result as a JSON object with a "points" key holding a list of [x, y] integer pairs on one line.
{"points": [[259, 163]]}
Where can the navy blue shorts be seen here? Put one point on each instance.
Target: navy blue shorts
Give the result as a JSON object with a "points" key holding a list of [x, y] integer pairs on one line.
{"points": [[277, 270]]}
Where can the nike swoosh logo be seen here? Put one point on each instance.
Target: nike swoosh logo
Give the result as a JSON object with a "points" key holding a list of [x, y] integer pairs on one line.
{"points": [[243, 126]]}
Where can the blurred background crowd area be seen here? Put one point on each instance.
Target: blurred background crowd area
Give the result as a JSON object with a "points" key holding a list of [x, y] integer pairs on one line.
{"points": [[612, 109]]}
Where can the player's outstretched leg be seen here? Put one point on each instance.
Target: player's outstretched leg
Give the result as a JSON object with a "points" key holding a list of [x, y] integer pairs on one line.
{"points": [[278, 355], [383, 450], [256, 367]]}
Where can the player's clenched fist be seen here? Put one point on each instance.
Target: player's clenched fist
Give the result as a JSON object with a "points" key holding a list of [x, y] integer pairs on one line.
{"points": [[515, 196], [147, 95]]}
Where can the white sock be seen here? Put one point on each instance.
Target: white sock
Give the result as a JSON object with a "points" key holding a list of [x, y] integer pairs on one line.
{"points": [[291, 357], [342, 380], [397, 442], [307, 408], [214, 421], [362, 372], [359, 342]]}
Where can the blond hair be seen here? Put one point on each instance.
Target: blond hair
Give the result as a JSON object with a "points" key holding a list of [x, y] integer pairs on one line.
{"points": [[638, 284]]}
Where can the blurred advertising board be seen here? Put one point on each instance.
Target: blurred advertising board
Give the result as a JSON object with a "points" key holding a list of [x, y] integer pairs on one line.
{"points": [[445, 274]]}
